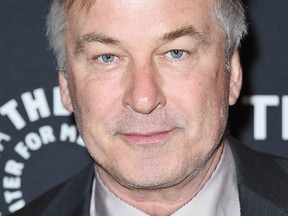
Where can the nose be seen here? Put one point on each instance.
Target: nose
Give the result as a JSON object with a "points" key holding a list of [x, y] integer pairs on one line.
{"points": [[143, 89]]}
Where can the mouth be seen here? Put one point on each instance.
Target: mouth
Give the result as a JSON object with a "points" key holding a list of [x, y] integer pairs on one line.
{"points": [[145, 139]]}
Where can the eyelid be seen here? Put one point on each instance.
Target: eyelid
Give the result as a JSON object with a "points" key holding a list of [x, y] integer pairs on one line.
{"points": [[96, 57], [185, 53]]}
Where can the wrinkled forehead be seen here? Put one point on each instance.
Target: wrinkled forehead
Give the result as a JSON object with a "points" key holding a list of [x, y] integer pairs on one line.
{"points": [[83, 3], [84, 6], [76, 9], [126, 19]]}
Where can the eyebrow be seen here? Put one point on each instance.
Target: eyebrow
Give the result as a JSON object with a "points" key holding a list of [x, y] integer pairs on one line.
{"points": [[170, 36], [184, 31], [93, 37]]}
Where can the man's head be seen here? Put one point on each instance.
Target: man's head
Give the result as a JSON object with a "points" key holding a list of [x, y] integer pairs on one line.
{"points": [[148, 82]]}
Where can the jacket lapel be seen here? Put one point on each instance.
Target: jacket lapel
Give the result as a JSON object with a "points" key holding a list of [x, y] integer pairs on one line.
{"points": [[262, 183], [74, 197], [253, 205]]}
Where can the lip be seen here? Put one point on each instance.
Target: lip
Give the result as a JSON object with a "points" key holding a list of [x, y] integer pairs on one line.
{"points": [[146, 138]]}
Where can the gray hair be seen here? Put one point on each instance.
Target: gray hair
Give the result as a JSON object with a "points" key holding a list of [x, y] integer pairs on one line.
{"points": [[230, 14], [56, 27]]}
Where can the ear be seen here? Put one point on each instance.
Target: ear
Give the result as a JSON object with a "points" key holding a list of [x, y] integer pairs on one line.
{"points": [[64, 91], [235, 78]]}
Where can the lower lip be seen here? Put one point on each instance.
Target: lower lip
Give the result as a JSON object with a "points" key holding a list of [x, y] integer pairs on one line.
{"points": [[146, 139]]}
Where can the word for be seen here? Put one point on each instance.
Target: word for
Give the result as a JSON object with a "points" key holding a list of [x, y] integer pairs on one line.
{"points": [[33, 141]]}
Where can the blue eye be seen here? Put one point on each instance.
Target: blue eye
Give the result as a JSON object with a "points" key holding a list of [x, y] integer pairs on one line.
{"points": [[107, 58], [177, 54]]}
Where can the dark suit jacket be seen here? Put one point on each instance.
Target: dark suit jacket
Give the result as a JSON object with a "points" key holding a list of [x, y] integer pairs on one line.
{"points": [[262, 183]]}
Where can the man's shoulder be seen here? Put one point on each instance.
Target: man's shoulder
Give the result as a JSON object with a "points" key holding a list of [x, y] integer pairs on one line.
{"points": [[249, 158], [282, 162], [56, 200], [262, 181], [37, 206]]}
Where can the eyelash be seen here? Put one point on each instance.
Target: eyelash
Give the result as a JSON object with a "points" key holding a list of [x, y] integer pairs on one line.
{"points": [[97, 57], [183, 53]]}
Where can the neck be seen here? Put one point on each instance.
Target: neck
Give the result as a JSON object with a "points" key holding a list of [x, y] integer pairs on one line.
{"points": [[164, 201]]}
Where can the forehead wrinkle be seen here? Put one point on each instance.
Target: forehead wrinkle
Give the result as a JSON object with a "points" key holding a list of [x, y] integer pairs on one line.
{"points": [[94, 38]]}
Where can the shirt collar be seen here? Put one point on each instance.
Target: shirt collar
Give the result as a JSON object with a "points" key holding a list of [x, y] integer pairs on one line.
{"points": [[219, 196]]}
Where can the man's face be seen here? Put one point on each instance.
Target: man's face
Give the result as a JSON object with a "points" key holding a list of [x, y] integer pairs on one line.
{"points": [[147, 83]]}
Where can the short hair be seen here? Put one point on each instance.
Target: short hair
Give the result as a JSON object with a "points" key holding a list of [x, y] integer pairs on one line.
{"points": [[230, 14]]}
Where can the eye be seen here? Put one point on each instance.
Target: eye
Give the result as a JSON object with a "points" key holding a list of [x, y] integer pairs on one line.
{"points": [[106, 58], [177, 54]]}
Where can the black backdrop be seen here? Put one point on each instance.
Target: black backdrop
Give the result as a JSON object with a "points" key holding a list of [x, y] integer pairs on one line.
{"points": [[39, 145]]}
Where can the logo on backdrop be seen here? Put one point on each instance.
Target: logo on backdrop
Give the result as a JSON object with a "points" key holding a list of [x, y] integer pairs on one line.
{"points": [[261, 104], [36, 108]]}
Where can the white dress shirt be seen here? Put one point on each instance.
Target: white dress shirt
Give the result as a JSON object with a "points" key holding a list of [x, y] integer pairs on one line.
{"points": [[218, 197]]}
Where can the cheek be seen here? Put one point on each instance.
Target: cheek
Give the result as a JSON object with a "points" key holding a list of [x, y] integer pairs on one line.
{"points": [[96, 104], [95, 98], [195, 94], [203, 101]]}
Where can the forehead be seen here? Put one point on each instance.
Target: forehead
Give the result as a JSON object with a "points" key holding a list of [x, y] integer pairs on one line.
{"points": [[124, 17]]}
